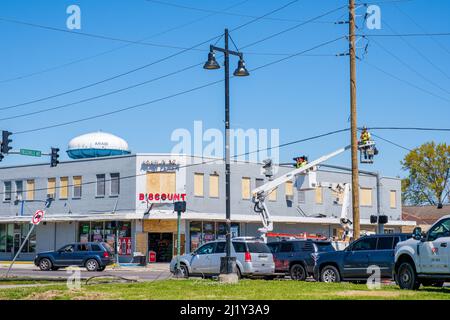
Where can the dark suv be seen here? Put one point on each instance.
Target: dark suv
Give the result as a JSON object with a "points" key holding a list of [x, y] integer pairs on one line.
{"points": [[95, 256], [353, 263], [296, 257]]}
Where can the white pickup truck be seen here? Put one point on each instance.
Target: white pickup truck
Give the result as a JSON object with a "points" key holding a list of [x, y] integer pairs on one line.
{"points": [[425, 258]]}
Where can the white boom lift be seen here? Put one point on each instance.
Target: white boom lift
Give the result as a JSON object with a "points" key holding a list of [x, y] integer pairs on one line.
{"points": [[261, 193]]}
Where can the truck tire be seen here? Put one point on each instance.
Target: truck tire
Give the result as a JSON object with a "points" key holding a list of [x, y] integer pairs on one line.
{"points": [[407, 277], [330, 274], [298, 272]]}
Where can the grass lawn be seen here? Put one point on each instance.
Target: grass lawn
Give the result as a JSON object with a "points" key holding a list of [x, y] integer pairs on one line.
{"points": [[209, 290]]}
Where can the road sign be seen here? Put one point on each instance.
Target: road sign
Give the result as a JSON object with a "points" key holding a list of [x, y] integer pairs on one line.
{"points": [[37, 217], [31, 153]]}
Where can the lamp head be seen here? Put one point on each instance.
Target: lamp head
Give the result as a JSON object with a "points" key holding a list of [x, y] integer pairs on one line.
{"points": [[211, 64], [241, 71]]}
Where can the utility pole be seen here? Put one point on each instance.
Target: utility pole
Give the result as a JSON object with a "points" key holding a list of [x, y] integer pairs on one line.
{"points": [[354, 128]]}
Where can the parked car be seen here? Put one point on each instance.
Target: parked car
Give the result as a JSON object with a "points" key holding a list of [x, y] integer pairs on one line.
{"points": [[424, 259], [253, 258], [94, 256], [351, 264], [296, 257]]}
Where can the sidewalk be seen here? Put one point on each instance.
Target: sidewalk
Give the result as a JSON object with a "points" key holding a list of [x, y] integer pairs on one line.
{"points": [[154, 267]]}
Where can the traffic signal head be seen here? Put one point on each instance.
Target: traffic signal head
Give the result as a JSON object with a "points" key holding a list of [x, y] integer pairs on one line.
{"points": [[54, 157], [5, 142], [267, 168]]}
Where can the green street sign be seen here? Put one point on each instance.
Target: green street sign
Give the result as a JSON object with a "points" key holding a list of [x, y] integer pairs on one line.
{"points": [[31, 153]]}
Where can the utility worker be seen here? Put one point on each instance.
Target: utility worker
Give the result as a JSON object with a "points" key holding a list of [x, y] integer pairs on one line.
{"points": [[301, 161], [365, 136]]}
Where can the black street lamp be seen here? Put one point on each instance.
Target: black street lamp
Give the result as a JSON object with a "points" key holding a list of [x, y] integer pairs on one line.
{"points": [[227, 263]]}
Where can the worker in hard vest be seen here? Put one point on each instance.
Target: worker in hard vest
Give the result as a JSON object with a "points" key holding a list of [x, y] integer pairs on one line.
{"points": [[365, 136]]}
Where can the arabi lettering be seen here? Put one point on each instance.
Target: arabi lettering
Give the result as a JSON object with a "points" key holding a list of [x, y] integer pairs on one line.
{"points": [[162, 197]]}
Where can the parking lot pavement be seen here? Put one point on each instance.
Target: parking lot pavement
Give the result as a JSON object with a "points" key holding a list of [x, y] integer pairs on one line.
{"points": [[158, 271]]}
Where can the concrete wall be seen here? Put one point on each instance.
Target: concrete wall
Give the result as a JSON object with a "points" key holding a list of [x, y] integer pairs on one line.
{"points": [[88, 169]]}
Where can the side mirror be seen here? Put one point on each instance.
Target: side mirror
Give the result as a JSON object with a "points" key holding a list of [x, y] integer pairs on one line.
{"points": [[417, 233], [193, 253]]}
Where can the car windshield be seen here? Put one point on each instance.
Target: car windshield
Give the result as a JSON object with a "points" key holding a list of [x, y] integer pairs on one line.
{"points": [[257, 247], [324, 247]]}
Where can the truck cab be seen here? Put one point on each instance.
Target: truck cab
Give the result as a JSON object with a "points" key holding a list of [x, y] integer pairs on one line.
{"points": [[425, 258]]}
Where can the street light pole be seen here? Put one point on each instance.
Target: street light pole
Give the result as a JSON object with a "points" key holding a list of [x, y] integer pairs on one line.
{"points": [[228, 262]]}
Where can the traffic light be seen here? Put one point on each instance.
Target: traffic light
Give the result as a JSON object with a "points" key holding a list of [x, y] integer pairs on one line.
{"points": [[54, 157], [5, 142], [179, 206], [267, 168]]}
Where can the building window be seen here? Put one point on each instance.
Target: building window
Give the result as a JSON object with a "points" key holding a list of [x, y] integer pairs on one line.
{"points": [[161, 182], [64, 187], [30, 190], [245, 188], [198, 184], [77, 183], [214, 186], [19, 189], [115, 184], [12, 236], [393, 199], [7, 191], [100, 186], [301, 197], [273, 195], [289, 188], [366, 197], [319, 195], [51, 188]]}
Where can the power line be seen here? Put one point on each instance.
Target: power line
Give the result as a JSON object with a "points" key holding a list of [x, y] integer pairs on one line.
{"points": [[425, 57], [409, 67], [92, 35], [170, 96], [211, 160], [422, 28], [410, 129], [405, 81], [144, 66], [224, 12], [441, 34], [116, 48], [288, 56]]}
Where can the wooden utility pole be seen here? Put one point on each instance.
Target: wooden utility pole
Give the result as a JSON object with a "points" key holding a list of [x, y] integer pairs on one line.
{"points": [[354, 128]]}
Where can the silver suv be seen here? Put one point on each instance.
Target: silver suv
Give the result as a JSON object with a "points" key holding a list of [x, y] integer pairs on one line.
{"points": [[253, 258]]}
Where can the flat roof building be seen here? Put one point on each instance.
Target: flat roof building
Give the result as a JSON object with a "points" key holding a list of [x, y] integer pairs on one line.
{"points": [[91, 196]]}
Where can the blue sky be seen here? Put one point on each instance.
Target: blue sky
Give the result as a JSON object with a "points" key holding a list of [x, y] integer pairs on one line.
{"points": [[301, 97]]}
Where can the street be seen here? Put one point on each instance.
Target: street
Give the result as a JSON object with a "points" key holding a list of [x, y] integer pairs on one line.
{"points": [[150, 273]]}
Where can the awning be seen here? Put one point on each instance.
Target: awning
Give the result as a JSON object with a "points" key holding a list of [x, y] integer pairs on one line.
{"points": [[168, 214], [76, 217]]}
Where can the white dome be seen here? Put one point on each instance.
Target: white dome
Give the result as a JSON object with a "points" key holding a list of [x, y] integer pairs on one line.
{"points": [[96, 144]]}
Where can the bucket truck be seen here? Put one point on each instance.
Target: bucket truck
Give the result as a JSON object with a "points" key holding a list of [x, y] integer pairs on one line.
{"points": [[260, 194]]}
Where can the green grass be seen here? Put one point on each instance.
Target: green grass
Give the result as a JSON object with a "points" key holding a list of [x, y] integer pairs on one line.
{"points": [[209, 290]]}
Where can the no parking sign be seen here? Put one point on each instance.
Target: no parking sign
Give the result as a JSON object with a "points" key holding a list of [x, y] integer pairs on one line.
{"points": [[37, 217]]}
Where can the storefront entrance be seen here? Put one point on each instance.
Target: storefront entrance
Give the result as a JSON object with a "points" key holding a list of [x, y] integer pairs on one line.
{"points": [[162, 244]]}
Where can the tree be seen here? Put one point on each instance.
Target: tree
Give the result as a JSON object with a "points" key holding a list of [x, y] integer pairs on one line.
{"points": [[428, 180]]}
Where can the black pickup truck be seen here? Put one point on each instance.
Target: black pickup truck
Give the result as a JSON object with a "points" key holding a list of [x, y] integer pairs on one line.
{"points": [[297, 257]]}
